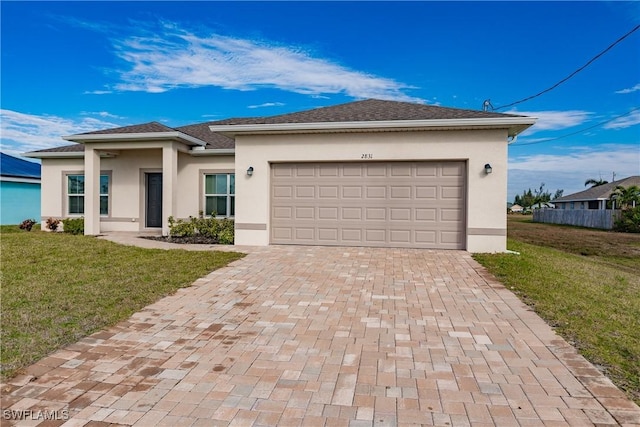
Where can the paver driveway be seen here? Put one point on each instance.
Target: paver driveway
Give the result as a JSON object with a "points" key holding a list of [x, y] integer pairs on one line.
{"points": [[327, 336]]}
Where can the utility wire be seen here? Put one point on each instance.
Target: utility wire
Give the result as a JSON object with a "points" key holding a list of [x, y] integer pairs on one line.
{"points": [[570, 75], [576, 132]]}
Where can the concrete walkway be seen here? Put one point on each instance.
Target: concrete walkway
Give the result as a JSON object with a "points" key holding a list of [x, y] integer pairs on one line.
{"points": [[324, 336]]}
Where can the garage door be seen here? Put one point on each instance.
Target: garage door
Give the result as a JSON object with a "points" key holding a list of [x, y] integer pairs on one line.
{"points": [[391, 204]]}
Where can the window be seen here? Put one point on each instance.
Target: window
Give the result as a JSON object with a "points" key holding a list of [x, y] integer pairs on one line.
{"points": [[219, 194], [75, 193]]}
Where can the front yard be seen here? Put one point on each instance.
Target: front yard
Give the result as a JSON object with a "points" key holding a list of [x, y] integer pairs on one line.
{"points": [[58, 288], [586, 284]]}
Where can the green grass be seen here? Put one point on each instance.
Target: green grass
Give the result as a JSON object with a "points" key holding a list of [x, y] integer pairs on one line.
{"points": [[593, 303], [58, 288]]}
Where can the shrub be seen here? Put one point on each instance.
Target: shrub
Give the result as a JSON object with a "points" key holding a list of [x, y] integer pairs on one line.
{"points": [[52, 224], [181, 228], [27, 224], [225, 235], [220, 230], [207, 227], [629, 221], [73, 225]]}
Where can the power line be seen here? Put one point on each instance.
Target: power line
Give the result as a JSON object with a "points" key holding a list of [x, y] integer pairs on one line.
{"points": [[576, 132], [570, 75]]}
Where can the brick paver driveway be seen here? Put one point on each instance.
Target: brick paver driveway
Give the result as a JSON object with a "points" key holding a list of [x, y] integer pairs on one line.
{"points": [[327, 336]]}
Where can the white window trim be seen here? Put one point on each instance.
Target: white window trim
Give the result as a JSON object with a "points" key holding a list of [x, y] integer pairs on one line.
{"points": [[204, 194], [66, 195]]}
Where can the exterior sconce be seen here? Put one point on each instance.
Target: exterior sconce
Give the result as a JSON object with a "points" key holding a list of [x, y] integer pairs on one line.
{"points": [[250, 171], [488, 169]]}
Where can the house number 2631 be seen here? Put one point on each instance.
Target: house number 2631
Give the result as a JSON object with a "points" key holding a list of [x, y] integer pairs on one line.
{"points": [[366, 156]]}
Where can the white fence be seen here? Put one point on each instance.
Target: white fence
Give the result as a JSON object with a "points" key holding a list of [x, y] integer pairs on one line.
{"points": [[591, 218]]}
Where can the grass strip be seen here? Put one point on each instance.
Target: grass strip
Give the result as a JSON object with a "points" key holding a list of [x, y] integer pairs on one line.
{"points": [[592, 304], [58, 288]]}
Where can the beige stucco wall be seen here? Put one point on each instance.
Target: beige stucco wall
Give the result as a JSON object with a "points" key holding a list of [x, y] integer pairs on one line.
{"points": [[486, 217], [127, 185]]}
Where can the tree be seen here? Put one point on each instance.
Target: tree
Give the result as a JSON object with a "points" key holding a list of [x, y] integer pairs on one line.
{"points": [[558, 194], [595, 182], [530, 198], [626, 198]]}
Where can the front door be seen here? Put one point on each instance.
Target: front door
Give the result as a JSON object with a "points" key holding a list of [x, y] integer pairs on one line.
{"points": [[154, 200]]}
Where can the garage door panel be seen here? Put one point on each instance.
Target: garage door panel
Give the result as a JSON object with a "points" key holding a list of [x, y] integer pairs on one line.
{"points": [[304, 213], [451, 193], [400, 192], [351, 235], [283, 191], [400, 236], [375, 236], [400, 214], [354, 213], [328, 234], [302, 233], [328, 213], [328, 192], [329, 170], [397, 204], [375, 214], [283, 212], [376, 192], [428, 193]]}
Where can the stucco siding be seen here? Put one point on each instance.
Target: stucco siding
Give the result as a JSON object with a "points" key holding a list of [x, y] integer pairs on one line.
{"points": [[485, 193], [126, 195]]}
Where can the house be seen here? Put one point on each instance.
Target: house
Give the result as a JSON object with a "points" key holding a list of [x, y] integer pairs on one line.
{"points": [[365, 173], [516, 208], [594, 197], [19, 190]]}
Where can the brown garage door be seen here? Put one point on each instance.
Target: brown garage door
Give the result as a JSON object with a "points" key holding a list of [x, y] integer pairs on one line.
{"points": [[390, 204]]}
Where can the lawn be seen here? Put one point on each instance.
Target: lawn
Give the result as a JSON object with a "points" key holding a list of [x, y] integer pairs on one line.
{"points": [[58, 288], [586, 284]]}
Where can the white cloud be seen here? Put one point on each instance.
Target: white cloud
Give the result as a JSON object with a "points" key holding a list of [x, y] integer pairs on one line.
{"points": [[625, 121], [629, 90], [97, 92], [26, 132], [179, 59], [267, 104], [572, 168], [554, 120], [105, 114]]}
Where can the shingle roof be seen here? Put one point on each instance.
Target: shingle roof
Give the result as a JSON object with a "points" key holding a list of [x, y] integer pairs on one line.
{"points": [[367, 110], [18, 168], [374, 110], [141, 128], [601, 192], [73, 148]]}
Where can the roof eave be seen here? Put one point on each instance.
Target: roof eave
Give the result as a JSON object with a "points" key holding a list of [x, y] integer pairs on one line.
{"points": [[141, 136], [54, 155], [201, 151], [515, 125]]}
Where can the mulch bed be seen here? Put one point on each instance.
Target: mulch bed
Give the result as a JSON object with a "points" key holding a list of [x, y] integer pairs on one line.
{"points": [[192, 240]]}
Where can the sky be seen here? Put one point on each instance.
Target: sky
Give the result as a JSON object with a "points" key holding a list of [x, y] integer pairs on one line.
{"points": [[73, 67]]}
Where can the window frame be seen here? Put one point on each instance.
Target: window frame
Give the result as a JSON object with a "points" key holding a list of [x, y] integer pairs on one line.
{"points": [[66, 194], [230, 196]]}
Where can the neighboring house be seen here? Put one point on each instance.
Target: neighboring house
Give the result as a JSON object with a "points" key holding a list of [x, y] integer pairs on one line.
{"points": [[543, 205], [19, 190], [516, 208], [365, 173], [594, 197]]}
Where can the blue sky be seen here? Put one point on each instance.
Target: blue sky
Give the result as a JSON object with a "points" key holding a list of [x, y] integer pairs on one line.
{"points": [[71, 67]]}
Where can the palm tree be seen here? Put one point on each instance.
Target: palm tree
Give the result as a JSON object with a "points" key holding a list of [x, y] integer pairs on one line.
{"points": [[595, 182], [627, 197]]}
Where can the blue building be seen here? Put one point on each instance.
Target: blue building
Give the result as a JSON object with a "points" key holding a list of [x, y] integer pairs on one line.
{"points": [[19, 190]]}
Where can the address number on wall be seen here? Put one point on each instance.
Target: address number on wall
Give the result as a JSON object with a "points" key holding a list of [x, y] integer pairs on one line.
{"points": [[366, 156]]}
